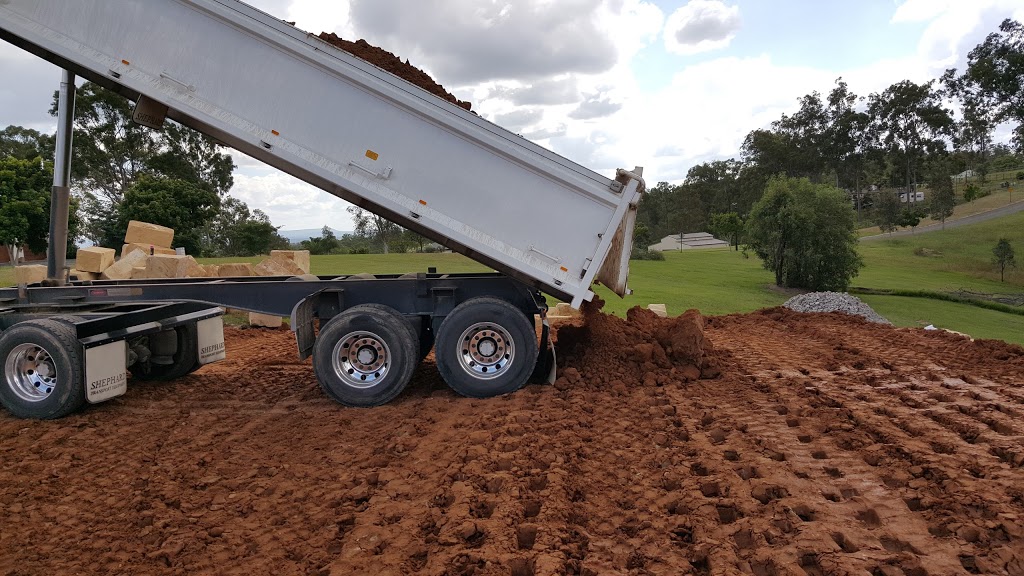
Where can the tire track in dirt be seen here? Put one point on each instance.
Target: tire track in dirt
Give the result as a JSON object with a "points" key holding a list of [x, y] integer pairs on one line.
{"points": [[816, 444]]}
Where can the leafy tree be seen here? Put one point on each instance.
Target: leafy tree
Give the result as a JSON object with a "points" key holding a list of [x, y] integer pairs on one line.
{"points": [[377, 228], [642, 236], [179, 204], [804, 233], [237, 231], [887, 210], [194, 157], [910, 121], [25, 206], [111, 153], [25, 144], [728, 225], [326, 243], [942, 198], [995, 70], [910, 218], [1002, 256], [847, 140]]}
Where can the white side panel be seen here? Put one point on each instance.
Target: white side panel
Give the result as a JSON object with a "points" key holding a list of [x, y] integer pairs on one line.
{"points": [[338, 122]]}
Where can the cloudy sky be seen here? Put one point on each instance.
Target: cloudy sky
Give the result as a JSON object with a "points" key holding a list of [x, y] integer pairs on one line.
{"points": [[607, 83]]}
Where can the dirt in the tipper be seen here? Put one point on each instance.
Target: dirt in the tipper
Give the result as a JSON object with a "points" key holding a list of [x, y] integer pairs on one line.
{"points": [[387, 61], [796, 444]]}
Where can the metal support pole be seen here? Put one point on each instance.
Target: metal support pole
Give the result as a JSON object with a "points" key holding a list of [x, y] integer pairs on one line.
{"points": [[60, 194]]}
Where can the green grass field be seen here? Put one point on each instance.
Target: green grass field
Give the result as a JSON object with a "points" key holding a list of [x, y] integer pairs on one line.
{"points": [[723, 281]]}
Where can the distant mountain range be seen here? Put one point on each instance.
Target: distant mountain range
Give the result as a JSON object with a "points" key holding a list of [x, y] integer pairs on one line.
{"points": [[296, 236]]}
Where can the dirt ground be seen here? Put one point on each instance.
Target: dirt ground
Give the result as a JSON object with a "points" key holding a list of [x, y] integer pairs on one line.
{"points": [[784, 443]]}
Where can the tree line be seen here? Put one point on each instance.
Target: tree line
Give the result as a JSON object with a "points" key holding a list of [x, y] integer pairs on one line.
{"points": [[872, 148]]}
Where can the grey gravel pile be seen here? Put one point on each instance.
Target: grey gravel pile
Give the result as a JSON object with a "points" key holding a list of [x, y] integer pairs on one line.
{"points": [[833, 302]]}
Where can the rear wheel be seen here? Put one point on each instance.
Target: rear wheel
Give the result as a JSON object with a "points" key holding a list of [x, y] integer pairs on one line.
{"points": [[172, 354], [365, 356], [485, 347], [42, 370]]}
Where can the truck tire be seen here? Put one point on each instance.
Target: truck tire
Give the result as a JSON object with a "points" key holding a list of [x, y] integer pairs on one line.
{"points": [[185, 360], [42, 363], [365, 356], [485, 347]]}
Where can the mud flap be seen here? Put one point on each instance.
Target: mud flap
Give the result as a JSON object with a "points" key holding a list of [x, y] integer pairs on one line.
{"points": [[544, 371], [302, 325]]}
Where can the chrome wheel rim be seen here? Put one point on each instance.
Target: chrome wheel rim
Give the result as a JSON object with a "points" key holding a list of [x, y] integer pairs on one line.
{"points": [[361, 359], [486, 350], [30, 372]]}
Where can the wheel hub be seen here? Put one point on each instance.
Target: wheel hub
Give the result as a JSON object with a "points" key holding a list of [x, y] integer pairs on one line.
{"points": [[361, 359], [30, 372], [487, 350]]}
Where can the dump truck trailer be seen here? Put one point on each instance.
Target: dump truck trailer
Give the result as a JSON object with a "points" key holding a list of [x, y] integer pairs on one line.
{"points": [[545, 224]]}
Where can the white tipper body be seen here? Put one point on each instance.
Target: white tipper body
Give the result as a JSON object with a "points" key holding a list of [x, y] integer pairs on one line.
{"points": [[297, 103]]}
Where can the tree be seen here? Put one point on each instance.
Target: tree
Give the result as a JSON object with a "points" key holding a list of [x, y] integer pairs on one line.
{"points": [[942, 198], [910, 121], [910, 217], [178, 204], [995, 70], [804, 233], [887, 209], [237, 231], [25, 144], [728, 225], [25, 206], [374, 227], [326, 243], [194, 157], [111, 152], [1002, 256]]}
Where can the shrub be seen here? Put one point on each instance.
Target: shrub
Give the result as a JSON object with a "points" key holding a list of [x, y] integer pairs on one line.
{"points": [[645, 254]]}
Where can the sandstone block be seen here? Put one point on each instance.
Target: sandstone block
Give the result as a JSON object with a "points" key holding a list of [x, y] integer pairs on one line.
{"points": [[659, 309], [29, 274], [140, 272], [265, 320], [80, 275], [128, 248], [94, 259], [212, 270], [173, 266], [122, 269], [230, 270], [146, 234], [300, 257], [277, 266]]}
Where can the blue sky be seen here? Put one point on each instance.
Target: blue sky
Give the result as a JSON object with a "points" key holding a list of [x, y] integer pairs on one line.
{"points": [[606, 83]]}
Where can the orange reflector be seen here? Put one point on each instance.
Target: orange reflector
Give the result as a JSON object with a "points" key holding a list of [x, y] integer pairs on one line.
{"points": [[372, 155], [563, 268], [275, 132], [424, 202], [125, 62]]}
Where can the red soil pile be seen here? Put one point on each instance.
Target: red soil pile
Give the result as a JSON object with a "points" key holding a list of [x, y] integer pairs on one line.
{"points": [[644, 349], [389, 62]]}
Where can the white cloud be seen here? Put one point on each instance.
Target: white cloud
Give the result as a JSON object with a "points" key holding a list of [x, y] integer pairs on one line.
{"points": [[701, 26], [953, 27]]}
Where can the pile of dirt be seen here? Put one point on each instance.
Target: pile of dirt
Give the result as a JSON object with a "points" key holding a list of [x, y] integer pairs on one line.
{"points": [[824, 444], [385, 60], [642, 349]]}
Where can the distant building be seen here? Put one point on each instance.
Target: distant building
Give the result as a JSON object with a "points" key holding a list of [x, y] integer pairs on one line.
{"points": [[963, 175], [691, 241], [26, 255]]}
